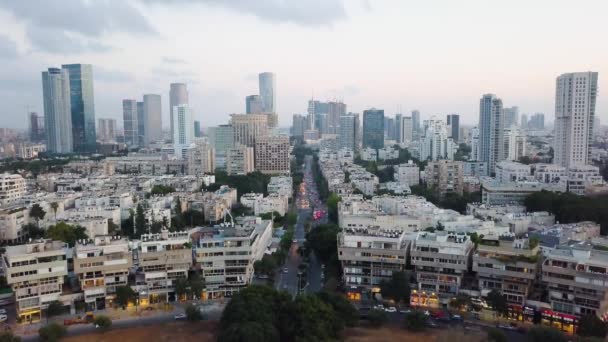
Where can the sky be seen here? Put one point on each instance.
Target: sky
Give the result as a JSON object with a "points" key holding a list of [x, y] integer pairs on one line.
{"points": [[437, 56]]}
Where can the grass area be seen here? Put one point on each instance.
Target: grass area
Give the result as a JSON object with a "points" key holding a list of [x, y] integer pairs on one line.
{"points": [[174, 331]]}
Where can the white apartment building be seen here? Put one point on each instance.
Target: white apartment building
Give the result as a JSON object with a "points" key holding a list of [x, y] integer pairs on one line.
{"points": [[440, 259], [226, 254], [239, 160], [12, 219], [550, 173], [282, 185], [575, 98], [515, 143], [407, 173], [201, 158], [475, 169], [580, 175], [12, 188], [369, 154], [436, 142], [369, 256], [250, 199], [183, 129], [509, 171], [270, 204], [163, 258], [35, 271], [507, 265], [102, 264], [388, 152]]}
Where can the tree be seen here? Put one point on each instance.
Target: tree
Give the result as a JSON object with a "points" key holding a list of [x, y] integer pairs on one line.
{"points": [[344, 309], [160, 189], [539, 333], [124, 295], [323, 241], [52, 332], [66, 233], [7, 336], [197, 285], [332, 207], [3, 283], [377, 318], [54, 309], [103, 322], [397, 288], [33, 231], [498, 302], [55, 206], [415, 321], [193, 314], [37, 213], [460, 302], [140, 219], [496, 335], [591, 326], [267, 265], [181, 287]]}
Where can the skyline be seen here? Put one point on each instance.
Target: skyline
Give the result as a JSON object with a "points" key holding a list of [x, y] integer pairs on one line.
{"points": [[437, 59]]}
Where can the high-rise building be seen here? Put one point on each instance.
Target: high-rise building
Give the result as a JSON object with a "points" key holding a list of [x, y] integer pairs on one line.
{"points": [[221, 139], [57, 110], [183, 130], [511, 116], [153, 121], [416, 124], [239, 160], [130, 125], [197, 129], [321, 123], [349, 131], [446, 176], [474, 143], [141, 120], [253, 104], [435, 142], [373, 128], [405, 131], [106, 129], [515, 144], [524, 121], [453, 121], [268, 92], [575, 97], [201, 158], [315, 108], [247, 127], [178, 95], [298, 126], [389, 128], [537, 121], [491, 131], [335, 110], [82, 107], [272, 154], [36, 126]]}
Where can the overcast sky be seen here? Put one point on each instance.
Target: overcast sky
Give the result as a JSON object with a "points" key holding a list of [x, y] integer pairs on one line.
{"points": [[438, 56]]}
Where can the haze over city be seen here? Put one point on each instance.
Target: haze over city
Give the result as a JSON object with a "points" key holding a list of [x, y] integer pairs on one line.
{"points": [[437, 56]]}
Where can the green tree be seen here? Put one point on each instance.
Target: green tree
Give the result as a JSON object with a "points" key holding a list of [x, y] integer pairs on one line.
{"points": [[498, 302], [54, 309], [591, 326], [55, 206], [140, 220], [7, 336], [37, 213], [181, 287], [323, 241], [397, 288], [52, 332], [267, 265], [342, 306], [193, 313], [315, 320], [103, 322], [66, 233], [332, 207], [160, 189], [124, 295], [539, 333], [33, 231], [3, 283], [496, 335], [197, 285], [377, 318], [415, 321]]}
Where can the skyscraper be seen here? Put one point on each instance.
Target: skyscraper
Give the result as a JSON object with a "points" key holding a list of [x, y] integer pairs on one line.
{"points": [[511, 116], [537, 121], [435, 142], [405, 131], [524, 121], [140, 124], [183, 130], [453, 121], [575, 96], [267, 92], [415, 125], [130, 124], [82, 107], [491, 131], [36, 126], [373, 128], [335, 110], [298, 125], [178, 95], [106, 129], [349, 131], [247, 127], [197, 129], [153, 121], [57, 110], [253, 104]]}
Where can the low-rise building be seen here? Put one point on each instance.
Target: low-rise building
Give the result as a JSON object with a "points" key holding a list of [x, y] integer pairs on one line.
{"points": [[102, 264], [35, 271], [12, 188], [12, 219], [272, 203], [282, 185], [509, 171], [498, 193], [581, 175], [388, 152], [369, 154], [407, 173]]}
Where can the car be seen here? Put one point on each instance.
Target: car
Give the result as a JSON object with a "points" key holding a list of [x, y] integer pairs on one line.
{"points": [[457, 318], [180, 317], [378, 307], [285, 270], [391, 309], [2, 311]]}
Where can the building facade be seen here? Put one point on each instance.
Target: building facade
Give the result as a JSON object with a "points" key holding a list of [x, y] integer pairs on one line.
{"points": [[178, 95], [272, 154], [183, 130], [373, 128], [491, 131], [153, 122], [57, 110], [82, 107], [267, 83]]}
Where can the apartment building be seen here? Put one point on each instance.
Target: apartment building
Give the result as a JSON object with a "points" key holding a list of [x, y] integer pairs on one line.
{"points": [[226, 254], [239, 160], [201, 158], [246, 128], [581, 175], [507, 265], [407, 173], [509, 171], [497, 193], [441, 259], [164, 258], [12, 188], [35, 271], [12, 219], [446, 176], [576, 277], [282, 185], [102, 265], [369, 256], [272, 154]]}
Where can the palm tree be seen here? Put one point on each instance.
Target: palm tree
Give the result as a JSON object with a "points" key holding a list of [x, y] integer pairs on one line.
{"points": [[55, 206]]}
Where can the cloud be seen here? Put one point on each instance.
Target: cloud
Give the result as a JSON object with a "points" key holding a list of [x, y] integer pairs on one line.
{"points": [[50, 26], [8, 47], [112, 76], [173, 60], [305, 13]]}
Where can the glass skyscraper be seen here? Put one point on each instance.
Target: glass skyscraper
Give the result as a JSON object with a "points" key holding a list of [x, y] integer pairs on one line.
{"points": [[373, 128], [82, 107]]}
